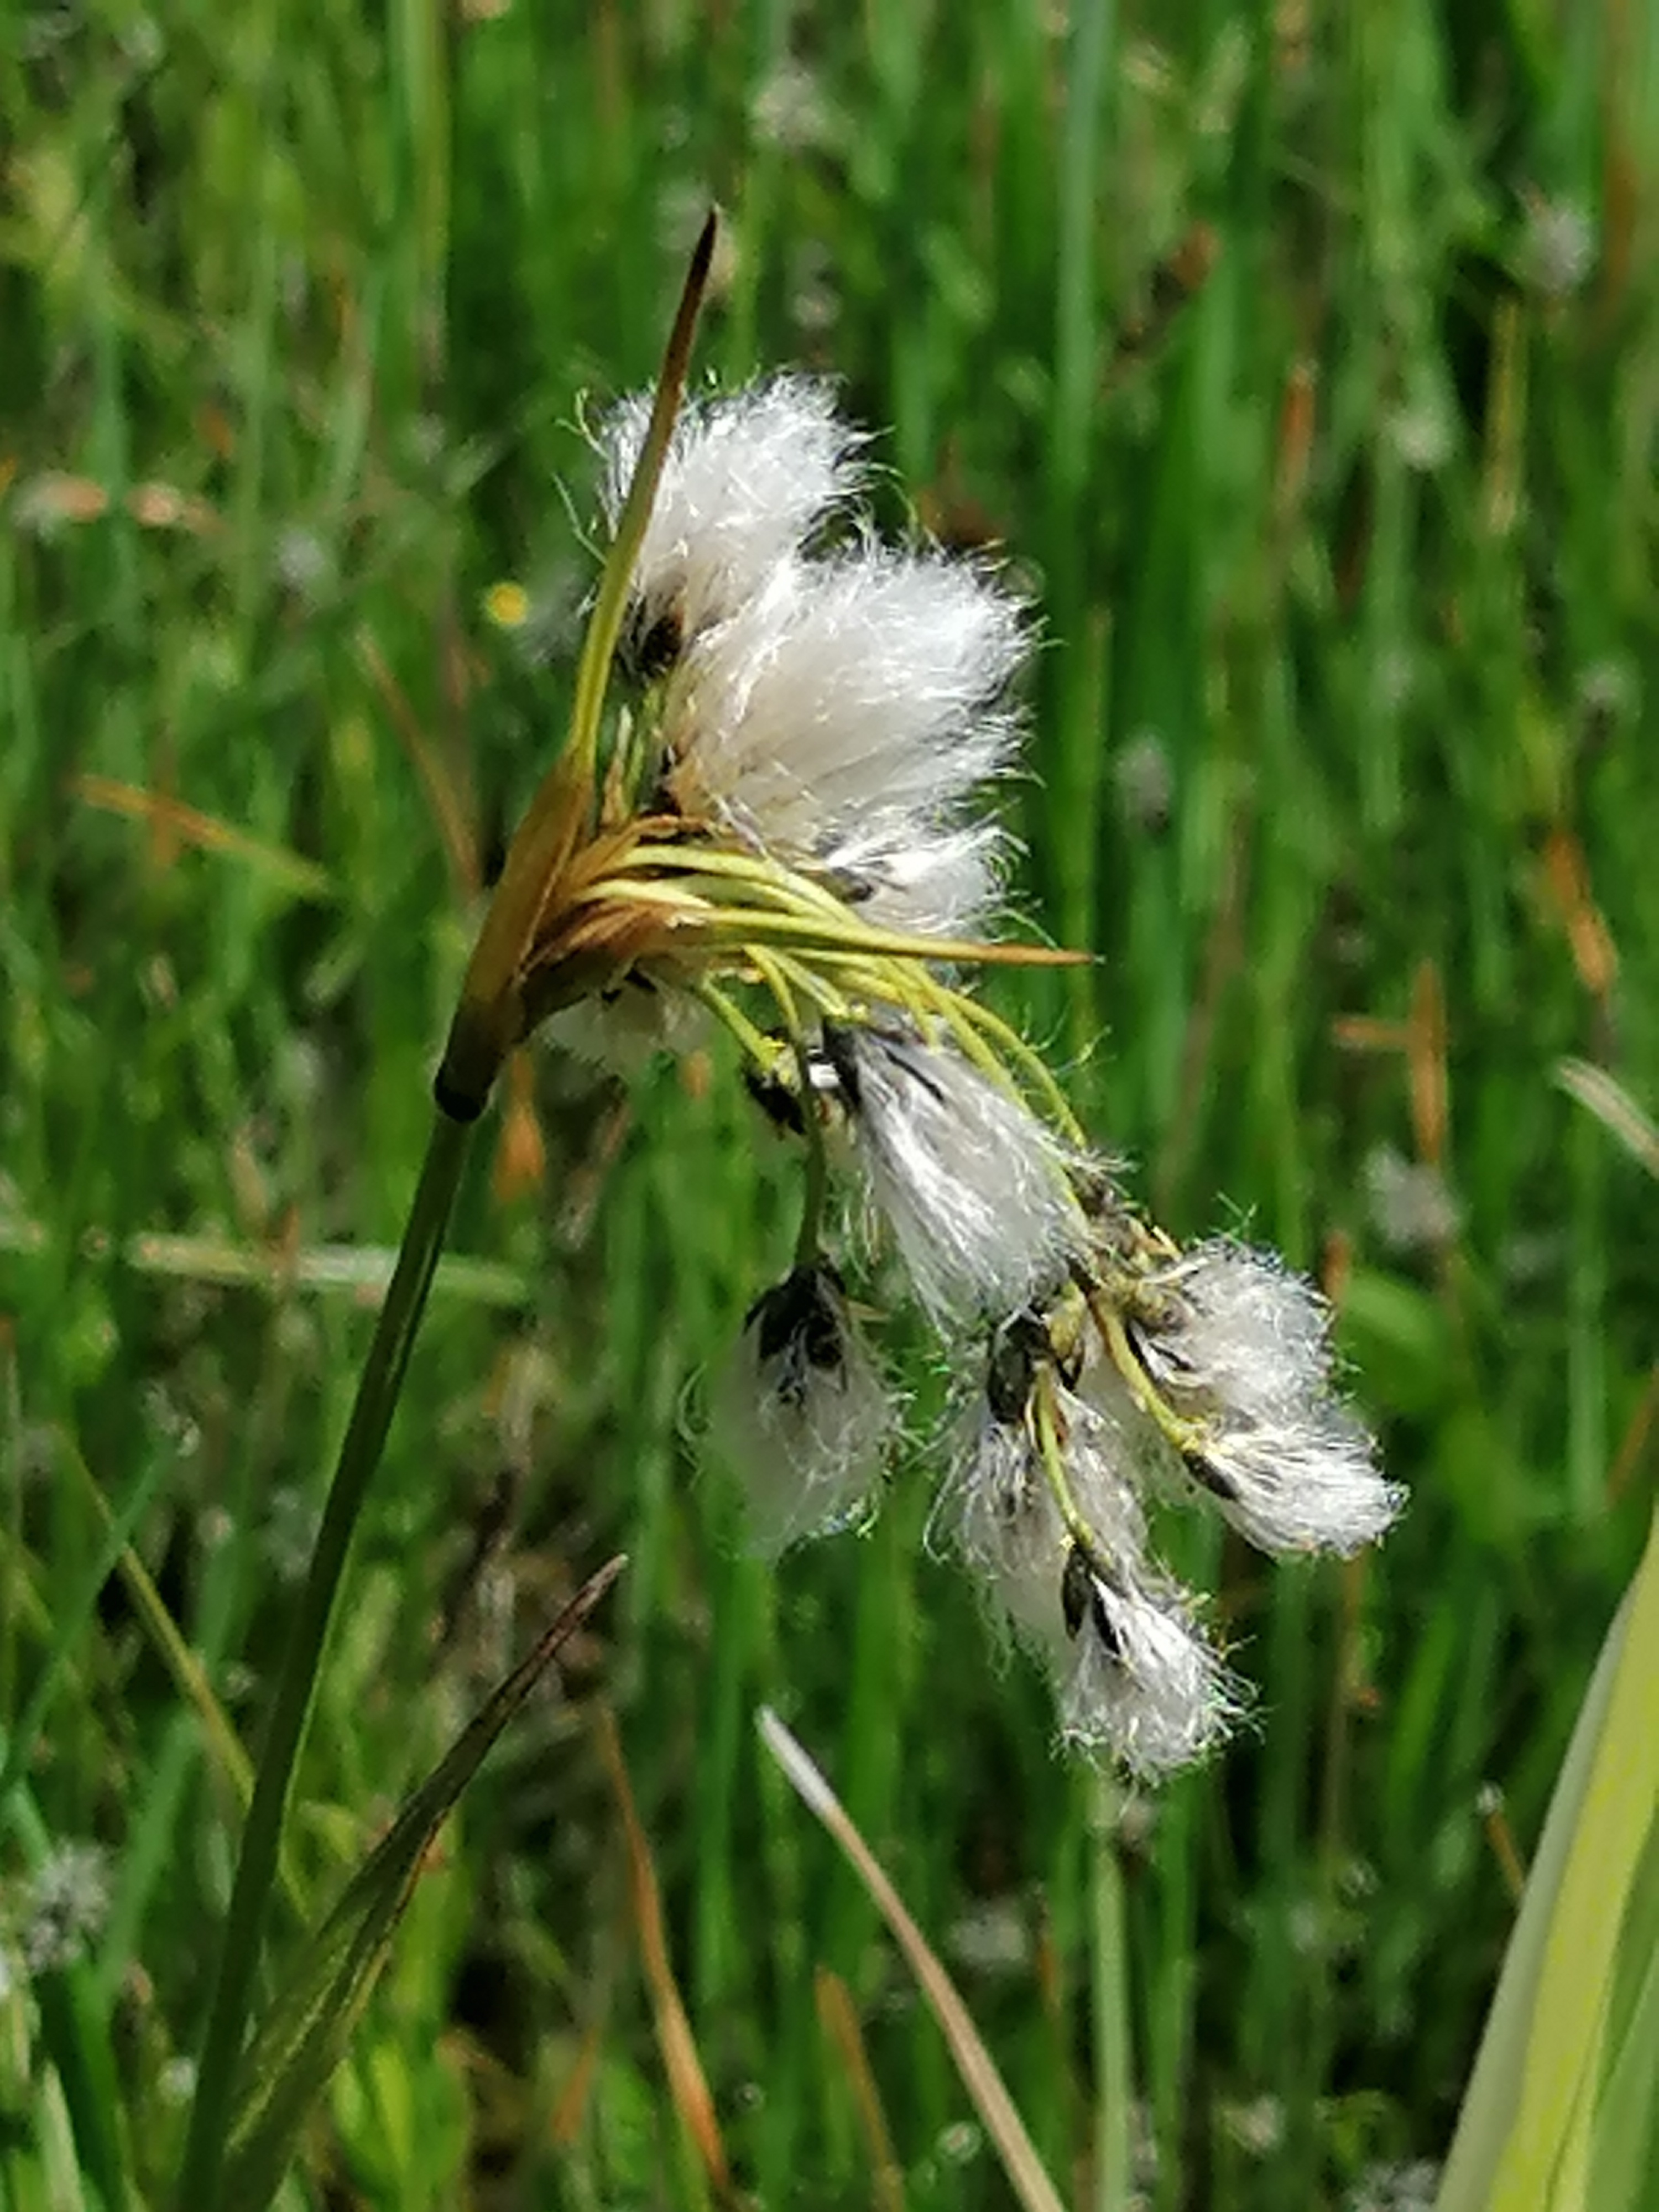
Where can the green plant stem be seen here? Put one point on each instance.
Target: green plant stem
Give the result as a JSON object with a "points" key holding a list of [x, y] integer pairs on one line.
{"points": [[377, 1397], [1114, 2080]]}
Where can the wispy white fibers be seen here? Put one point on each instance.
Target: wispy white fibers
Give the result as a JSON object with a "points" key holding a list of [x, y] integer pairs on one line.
{"points": [[802, 1413], [974, 1186], [1243, 1348], [621, 1030], [747, 479], [1142, 1681], [1134, 1675], [999, 1507], [847, 714]]}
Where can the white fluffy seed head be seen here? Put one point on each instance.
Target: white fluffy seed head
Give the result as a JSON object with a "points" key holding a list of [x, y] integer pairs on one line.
{"points": [[1245, 1350], [1143, 1682], [999, 1511], [1134, 1677], [974, 1187], [1245, 1328], [847, 715], [1307, 1483], [747, 479], [802, 1413]]}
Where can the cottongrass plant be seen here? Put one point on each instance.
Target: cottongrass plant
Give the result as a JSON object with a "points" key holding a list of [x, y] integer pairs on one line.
{"points": [[785, 825], [791, 828]]}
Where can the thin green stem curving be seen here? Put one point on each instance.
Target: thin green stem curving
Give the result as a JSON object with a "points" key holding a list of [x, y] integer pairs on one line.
{"points": [[377, 1397]]}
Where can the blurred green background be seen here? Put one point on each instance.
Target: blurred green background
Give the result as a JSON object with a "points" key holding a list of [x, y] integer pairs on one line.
{"points": [[1305, 361]]}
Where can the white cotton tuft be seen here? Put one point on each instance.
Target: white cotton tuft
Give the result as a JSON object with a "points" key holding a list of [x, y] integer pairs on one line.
{"points": [[1000, 1511], [1245, 1350], [1247, 1329], [974, 1186], [802, 1413], [1133, 1675], [622, 1031], [1143, 1683], [847, 714], [929, 877], [1306, 1484], [747, 479]]}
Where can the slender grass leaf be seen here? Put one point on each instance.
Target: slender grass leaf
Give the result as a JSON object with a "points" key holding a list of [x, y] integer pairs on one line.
{"points": [[70, 1622], [1614, 1108], [172, 820], [1625, 2147], [303, 2036], [76, 2035], [839, 2019], [1526, 2135], [980, 2078]]}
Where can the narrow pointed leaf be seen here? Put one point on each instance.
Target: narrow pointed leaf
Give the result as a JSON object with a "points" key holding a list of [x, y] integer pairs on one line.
{"points": [[303, 2036], [1554, 2113], [974, 2062]]}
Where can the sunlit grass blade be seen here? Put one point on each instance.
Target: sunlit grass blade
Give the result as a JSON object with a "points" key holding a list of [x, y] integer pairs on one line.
{"points": [[1600, 1094], [1552, 2109], [303, 2036], [189, 1675], [361, 1271], [995, 2108]]}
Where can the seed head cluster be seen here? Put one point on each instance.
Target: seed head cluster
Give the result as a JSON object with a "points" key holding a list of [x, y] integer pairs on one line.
{"points": [[791, 825]]}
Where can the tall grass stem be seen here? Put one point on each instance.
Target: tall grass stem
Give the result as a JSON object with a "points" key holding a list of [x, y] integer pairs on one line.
{"points": [[377, 1397]]}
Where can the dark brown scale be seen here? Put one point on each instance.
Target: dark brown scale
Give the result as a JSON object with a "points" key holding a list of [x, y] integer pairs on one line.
{"points": [[1017, 1350], [633, 980], [800, 1316], [777, 1100], [1110, 1642], [1081, 1599], [661, 647], [842, 1060], [649, 649], [1077, 1591], [854, 886], [1209, 1477]]}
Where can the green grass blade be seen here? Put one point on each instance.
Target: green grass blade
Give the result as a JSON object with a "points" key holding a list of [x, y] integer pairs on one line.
{"points": [[980, 2078], [71, 1622], [376, 1400], [1624, 2149], [303, 2036], [1527, 2138], [76, 2039]]}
